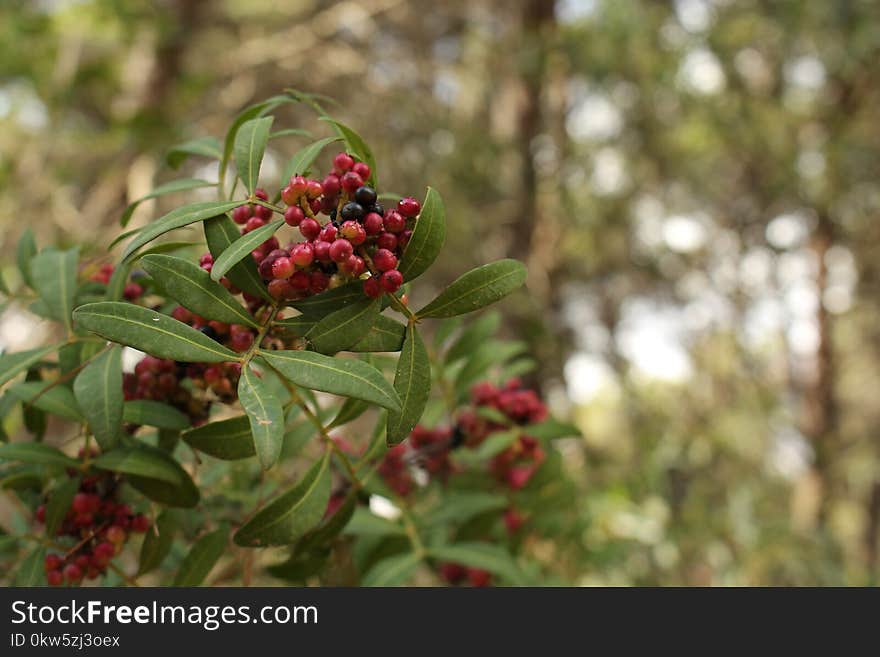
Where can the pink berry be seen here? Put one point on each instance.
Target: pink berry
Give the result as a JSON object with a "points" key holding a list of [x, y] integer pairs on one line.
{"points": [[313, 189], [361, 169], [343, 162], [262, 212], [351, 181], [391, 281], [282, 268], [300, 281], [298, 186], [331, 185], [408, 207], [322, 251], [384, 260], [387, 241], [253, 223], [394, 222], [241, 214], [372, 287], [341, 250], [355, 266], [261, 194], [302, 254], [328, 233], [373, 224]]}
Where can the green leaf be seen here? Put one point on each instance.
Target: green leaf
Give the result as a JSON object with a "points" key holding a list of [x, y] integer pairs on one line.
{"points": [[181, 185], [292, 514], [31, 571], [146, 412], [17, 362], [58, 504], [265, 414], [98, 391], [54, 277], [551, 429], [300, 566], [344, 327], [331, 300], [476, 289], [486, 355], [157, 542], [392, 571], [48, 397], [340, 376], [178, 218], [496, 443], [193, 288], [473, 336], [242, 247], [37, 453], [202, 557], [220, 233], [412, 382], [183, 494], [427, 239], [290, 132], [229, 440], [24, 253], [301, 161], [365, 523], [118, 279], [150, 331], [356, 145], [330, 527], [350, 410], [137, 460], [459, 507], [203, 146], [254, 111], [484, 556], [386, 334], [296, 327], [249, 147]]}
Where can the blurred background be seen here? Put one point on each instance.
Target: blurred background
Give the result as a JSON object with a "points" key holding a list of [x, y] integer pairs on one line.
{"points": [[693, 185]]}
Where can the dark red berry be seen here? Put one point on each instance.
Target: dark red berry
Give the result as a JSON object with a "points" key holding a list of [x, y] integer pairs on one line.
{"points": [[73, 574], [309, 228], [55, 578], [262, 212], [253, 223], [387, 241], [241, 214], [52, 562], [282, 268], [341, 250], [361, 169], [331, 185], [391, 281], [351, 181], [328, 233], [261, 194], [300, 281], [294, 215], [81, 503], [343, 162], [354, 266], [372, 287], [408, 207], [318, 282], [41, 513], [140, 523], [322, 251], [384, 260], [373, 224], [280, 288], [394, 222]]}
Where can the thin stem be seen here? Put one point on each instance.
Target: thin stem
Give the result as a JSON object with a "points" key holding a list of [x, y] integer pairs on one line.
{"points": [[403, 309], [264, 329]]}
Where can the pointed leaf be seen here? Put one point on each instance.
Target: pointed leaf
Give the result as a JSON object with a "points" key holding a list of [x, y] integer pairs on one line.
{"points": [[193, 288], [412, 383], [473, 336], [293, 513], [203, 147], [58, 504], [32, 572], [181, 185], [183, 494], [392, 571], [427, 239], [344, 327], [147, 412], [220, 233], [331, 300], [150, 331], [250, 145], [351, 409], [296, 327], [229, 440], [37, 453], [48, 397], [386, 334], [484, 556], [254, 111], [98, 391], [202, 557], [265, 414], [116, 287], [54, 277], [477, 288], [341, 376], [157, 542], [24, 252], [301, 162], [138, 461], [183, 216], [356, 145], [242, 247], [17, 362]]}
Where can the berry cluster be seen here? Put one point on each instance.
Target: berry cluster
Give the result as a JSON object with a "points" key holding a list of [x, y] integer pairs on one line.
{"points": [[99, 526], [360, 237], [455, 573], [132, 291]]}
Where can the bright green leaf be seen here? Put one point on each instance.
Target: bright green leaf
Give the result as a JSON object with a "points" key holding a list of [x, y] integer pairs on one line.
{"points": [[476, 289], [249, 147], [301, 161], [181, 185]]}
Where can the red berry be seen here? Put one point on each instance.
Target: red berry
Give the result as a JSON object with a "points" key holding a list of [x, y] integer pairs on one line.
{"points": [[331, 185], [116, 534], [353, 232], [453, 573], [408, 207], [343, 162], [403, 238], [300, 281], [181, 314], [282, 268], [361, 169], [373, 223], [322, 251], [328, 233], [372, 287], [253, 223], [262, 212], [341, 250], [318, 282], [351, 181], [73, 574], [394, 222], [261, 194], [105, 549], [55, 578], [302, 254], [81, 503], [313, 189], [242, 341], [294, 215], [309, 228], [41, 513], [355, 266], [289, 196], [387, 241], [52, 562], [280, 288], [241, 214], [479, 577], [391, 281], [384, 260], [513, 520], [132, 291], [140, 523], [298, 186]]}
